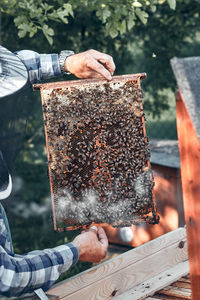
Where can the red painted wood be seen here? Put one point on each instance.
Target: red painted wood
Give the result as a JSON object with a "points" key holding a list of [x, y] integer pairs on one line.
{"points": [[189, 146]]}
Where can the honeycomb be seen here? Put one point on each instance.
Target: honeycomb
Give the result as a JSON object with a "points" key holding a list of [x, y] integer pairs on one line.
{"points": [[98, 153]]}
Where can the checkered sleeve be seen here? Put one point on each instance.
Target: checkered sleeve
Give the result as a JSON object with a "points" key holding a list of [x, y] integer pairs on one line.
{"points": [[36, 269], [39, 66]]}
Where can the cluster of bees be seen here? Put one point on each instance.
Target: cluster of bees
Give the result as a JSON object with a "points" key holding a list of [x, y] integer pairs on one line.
{"points": [[98, 154]]}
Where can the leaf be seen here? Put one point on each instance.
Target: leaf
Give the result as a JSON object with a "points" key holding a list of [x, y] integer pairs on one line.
{"points": [[122, 27], [20, 19], [142, 15], [137, 4], [23, 29], [172, 4], [49, 38], [37, 13], [48, 32], [105, 14], [69, 8], [153, 8], [33, 31], [113, 32], [22, 4], [130, 22], [62, 15], [46, 6]]}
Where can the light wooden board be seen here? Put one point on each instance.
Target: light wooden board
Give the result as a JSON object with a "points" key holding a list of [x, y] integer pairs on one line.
{"points": [[156, 283], [126, 270]]}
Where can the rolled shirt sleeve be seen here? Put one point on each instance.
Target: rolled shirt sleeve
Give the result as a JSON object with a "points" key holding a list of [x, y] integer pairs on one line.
{"points": [[21, 274], [39, 66]]}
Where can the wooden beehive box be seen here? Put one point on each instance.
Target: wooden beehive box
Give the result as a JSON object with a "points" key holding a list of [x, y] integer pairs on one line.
{"points": [[186, 71], [98, 152]]}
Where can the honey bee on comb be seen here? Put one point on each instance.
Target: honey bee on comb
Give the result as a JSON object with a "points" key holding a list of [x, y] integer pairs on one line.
{"points": [[98, 153]]}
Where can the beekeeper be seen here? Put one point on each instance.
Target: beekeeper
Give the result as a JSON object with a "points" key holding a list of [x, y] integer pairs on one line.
{"points": [[20, 274]]}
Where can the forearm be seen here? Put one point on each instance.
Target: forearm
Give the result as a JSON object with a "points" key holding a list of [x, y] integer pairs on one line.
{"points": [[37, 269], [39, 66]]}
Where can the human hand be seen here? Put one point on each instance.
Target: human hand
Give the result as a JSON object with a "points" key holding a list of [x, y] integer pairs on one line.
{"points": [[92, 244], [90, 64]]}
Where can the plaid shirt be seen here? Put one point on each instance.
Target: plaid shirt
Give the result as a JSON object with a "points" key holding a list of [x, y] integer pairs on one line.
{"points": [[21, 274], [39, 66]]}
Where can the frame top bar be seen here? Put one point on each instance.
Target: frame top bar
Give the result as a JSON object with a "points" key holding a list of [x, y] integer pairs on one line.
{"points": [[70, 83]]}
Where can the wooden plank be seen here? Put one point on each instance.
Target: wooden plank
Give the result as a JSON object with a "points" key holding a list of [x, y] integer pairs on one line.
{"points": [[181, 284], [166, 297], [126, 270], [189, 146], [151, 298], [156, 283], [175, 292], [183, 279]]}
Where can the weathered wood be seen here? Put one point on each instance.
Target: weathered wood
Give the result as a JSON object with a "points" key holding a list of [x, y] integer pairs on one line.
{"points": [[151, 298], [165, 297], [186, 280], [175, 292], [126, 270], [186, 71], [181, 284], [189, 145], [156, 283]]}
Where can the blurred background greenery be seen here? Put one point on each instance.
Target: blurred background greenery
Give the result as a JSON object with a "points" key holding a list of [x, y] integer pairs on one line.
{"points": [[141, 36]]}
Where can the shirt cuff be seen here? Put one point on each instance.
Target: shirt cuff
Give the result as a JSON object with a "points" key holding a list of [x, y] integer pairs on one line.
{"points": [[70, 255], [50, 66]]}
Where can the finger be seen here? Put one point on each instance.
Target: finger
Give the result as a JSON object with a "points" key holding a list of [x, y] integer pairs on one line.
{"points": [[108, 63], [94, 65], [105, 59], [102, 237], [94, 229], [92, 74]]}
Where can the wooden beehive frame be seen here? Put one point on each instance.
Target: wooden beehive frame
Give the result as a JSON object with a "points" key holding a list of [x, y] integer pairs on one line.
{"points": [[121, 96]]}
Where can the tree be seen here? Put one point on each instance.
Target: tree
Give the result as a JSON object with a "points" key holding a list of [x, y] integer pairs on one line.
{"points": [[118, 16]]}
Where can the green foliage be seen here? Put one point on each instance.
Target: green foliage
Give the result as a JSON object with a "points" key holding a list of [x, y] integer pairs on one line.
{"points": [[119, 17], [36, 15], [172, 4]]}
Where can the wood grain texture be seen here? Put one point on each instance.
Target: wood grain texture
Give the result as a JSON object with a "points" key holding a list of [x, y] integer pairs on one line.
{"points": [[184, 285], [186, 280], [156, 283], [152, 298], [189, 146], [176, 292], [126, 270]]}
